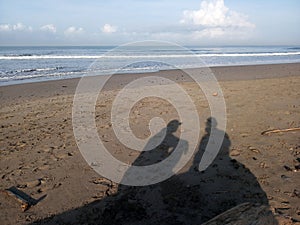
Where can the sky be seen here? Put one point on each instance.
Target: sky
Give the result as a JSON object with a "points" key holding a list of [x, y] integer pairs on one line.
{"points": [[114, 22]]}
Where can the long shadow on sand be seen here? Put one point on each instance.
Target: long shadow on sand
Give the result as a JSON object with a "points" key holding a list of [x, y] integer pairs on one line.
{"points": [[191, 197]]}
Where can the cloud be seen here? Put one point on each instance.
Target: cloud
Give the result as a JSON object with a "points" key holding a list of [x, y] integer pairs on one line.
{"points": [[15, 27], [5, 27], [215, 21], [210, 32], [218, 33], [107, 28], [73, 31], [21, 27], [49, 28], [214, 13]]}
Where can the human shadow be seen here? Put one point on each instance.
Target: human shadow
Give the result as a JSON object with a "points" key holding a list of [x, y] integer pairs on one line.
{"points": [[225, 184], [158, 159], [190, 197], [161, 145]]}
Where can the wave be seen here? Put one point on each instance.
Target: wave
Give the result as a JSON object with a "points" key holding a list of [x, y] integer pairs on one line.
{"points": [[37, 57], [67, 74], [294, 48], [34, 70], [40, 75]]}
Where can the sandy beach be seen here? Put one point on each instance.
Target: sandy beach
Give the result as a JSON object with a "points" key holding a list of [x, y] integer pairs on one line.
{"points": [[39, 155]]}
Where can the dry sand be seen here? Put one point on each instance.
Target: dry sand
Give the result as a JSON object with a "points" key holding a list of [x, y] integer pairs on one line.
{"points": [[40, 157]]}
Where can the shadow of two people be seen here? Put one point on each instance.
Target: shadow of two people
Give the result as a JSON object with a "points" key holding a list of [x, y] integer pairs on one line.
{"points": [[190, 197]]}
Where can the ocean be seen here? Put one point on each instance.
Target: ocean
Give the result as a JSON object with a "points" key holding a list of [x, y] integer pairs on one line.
{"points": [[32, 64]]}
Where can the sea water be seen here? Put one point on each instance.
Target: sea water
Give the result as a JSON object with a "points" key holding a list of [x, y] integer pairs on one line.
{"points": [[31, 64]]}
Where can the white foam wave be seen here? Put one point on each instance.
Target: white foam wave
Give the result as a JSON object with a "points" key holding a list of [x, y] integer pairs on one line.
{"points": [[39, 75], [36, 57], [35, 70]]}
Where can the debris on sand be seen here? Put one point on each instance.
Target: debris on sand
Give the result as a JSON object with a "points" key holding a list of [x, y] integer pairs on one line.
{"points": [[26, 200]]}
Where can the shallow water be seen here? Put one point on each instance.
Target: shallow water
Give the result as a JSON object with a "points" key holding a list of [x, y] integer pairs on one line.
{"points": [[29, 64]]}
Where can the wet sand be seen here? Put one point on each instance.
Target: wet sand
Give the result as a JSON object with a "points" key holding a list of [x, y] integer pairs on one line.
{"points": [[39, 155]]}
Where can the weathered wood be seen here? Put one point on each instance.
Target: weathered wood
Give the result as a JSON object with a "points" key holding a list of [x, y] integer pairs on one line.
{"points": [[25, 200], [245, 214], [280, 130]]}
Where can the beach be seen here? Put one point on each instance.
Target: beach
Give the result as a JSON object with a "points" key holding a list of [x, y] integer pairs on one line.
{"points": [[40, 157]]}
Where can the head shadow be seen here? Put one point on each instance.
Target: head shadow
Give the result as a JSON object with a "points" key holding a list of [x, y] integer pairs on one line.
{"points": [[161, 145]]}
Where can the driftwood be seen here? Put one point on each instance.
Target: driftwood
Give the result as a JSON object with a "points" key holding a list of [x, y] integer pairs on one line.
{"points": [[280, 130], [244, 214], [25, 200]]}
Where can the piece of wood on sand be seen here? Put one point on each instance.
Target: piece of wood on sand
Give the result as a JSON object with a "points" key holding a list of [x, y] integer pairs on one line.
{"points": [[280, 130], [245, 214], [25, 200]]}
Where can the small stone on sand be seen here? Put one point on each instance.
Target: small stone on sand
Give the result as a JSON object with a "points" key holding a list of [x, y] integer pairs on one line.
{"points": [[235, 152]]}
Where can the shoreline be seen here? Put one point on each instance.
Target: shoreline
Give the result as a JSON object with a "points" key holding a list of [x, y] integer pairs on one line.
{"points": [[222, 73], [215, 67]]}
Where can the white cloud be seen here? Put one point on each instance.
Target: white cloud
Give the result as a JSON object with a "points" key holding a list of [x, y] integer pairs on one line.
{"points": [[15, 27], [210, 32], [219, 33], [107, 28], [73, 30], [214, 13], [5, 27], [49, 28], [21, 27], [18, 26], [216, 21]]}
